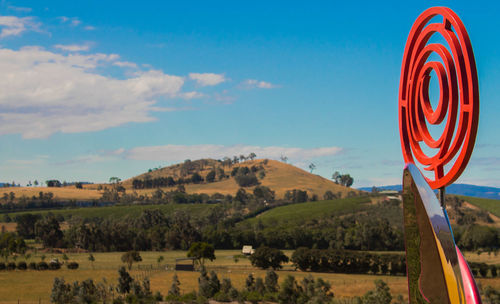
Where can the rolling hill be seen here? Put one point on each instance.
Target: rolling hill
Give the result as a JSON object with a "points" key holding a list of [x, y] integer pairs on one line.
{"points": [[278, 176]]}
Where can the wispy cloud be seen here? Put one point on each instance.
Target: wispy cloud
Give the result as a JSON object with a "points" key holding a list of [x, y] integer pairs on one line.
{"points": [[125, 64], [257, 84], [73, 47], [207, 79], [19, 9], [73, 21], [173, 153], [15, 26], [89, 28]]}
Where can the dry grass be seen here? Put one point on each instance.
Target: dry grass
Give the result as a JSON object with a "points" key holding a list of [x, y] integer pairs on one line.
{"points": [[280, 177], [64, 193], [30, 286]]}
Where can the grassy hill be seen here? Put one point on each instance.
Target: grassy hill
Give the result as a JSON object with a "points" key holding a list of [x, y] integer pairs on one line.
{"points": [[279, 176], [490, 205]]}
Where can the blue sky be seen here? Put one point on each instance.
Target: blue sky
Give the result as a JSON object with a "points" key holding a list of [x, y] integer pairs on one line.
{"points": [[112, 88]]}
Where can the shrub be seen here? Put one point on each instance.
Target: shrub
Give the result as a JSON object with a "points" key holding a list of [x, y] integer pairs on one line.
{"points": [[246, 180], [32, 265], [11, 266], [2, 266], [54, 265], [72, 265], [42, 266], [22, 265]]}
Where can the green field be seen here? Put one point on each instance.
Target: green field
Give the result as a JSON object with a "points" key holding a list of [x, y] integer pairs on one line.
{"points": [[491, 205], [122, 211], [298, 213]]}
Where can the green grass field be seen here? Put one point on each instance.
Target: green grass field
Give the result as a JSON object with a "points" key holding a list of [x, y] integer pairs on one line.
{"points": [[33, 286], [491, 205], [122, 211], [311, 210]]}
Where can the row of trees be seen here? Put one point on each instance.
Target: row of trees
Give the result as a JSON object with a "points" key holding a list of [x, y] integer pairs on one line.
{"points": [[340, 261], [169, 181]]}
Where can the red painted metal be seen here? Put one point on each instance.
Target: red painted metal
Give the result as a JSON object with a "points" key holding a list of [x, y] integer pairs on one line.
{"points": [[458, 101]]}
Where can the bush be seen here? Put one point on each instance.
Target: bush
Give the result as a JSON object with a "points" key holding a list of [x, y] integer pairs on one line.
{"points": [[72, 265], [54, 265], [246, 180], [2, 266], [42, 266], [32, 265], [11, 266], [22, 265]]}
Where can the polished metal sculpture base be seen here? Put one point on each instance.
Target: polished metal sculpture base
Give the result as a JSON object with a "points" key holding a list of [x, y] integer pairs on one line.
{"points": [[437, 271]]}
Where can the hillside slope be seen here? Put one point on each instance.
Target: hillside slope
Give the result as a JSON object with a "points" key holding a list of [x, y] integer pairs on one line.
{"points": [[279, 177]]}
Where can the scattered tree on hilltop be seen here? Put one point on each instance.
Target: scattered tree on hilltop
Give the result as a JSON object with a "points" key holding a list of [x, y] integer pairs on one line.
{"points": [[342, 179]]}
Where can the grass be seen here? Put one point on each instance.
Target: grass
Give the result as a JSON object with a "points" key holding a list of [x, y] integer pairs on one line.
{"points": [[31, 286], [491, 205], [298, 213], [122, 211]]}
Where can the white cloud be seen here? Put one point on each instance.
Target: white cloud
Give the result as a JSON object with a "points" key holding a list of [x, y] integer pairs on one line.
{"points": [[173, 153], [42, 92], [207, 79], [14, 26], [125, 64], [253, 83], [89, 28], [72, 47]]}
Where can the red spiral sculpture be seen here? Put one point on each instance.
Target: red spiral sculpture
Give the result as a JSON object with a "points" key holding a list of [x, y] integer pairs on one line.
{"points": [[458, 100]]}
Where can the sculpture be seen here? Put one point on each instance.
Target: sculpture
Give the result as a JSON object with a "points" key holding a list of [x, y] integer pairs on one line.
{"points": [[436, 269]]}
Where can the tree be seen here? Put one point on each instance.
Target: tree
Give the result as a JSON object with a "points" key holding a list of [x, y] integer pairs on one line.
{"points": [[271, 281], [381, 294], [312, 167], [201, 251], [35, 183], [124, 280], [289, 291], [265, 257], [91, 259], [49, 231], [252, 156], [210, 178], [114, 180], [159, 260], [78, 185], [174, 288], [26, 224], [336, 177], [130, 257], [283, 158]]}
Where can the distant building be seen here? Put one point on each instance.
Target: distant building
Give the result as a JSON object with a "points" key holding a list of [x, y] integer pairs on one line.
{"points": [[186, 264], [247, 250]]}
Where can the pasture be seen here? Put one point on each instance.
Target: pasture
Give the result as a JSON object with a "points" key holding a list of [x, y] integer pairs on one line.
{"points": [[30, 286]]}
